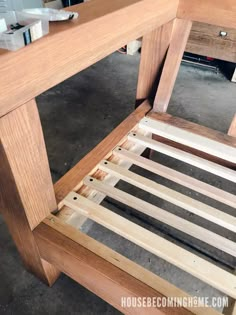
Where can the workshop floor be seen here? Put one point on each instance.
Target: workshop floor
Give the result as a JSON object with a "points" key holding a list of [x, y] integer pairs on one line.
{"points": [[78, 114]]}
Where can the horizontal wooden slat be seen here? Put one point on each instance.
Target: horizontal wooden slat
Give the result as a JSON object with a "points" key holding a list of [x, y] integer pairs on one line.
{"points": [[138, 272], [170, 195], [61, 246], [177, 177], [215, 135], [214, 12], [190, 139], [159, 214], [185, 157], [103, 27], [86, 166], [198, 267]]}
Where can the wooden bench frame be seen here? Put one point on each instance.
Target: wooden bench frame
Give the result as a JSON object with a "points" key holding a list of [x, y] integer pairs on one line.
{"points": [[30, 203]]}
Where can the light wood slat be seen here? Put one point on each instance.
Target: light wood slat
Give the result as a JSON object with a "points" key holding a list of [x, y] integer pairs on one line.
{"points": [[140, 273], [198, 267], [170, 219], [170, 195], [190, 139], [177, 177], [197, 129], [184, 157]]}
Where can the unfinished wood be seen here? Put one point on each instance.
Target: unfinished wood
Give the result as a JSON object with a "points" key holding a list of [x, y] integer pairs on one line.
{"points": [[177, 177], [76, 220], [180, 34], [172, 196], [154, 49], [152, 280], [26, 190], [69, 181], [212, 147], [194, 128], [185, 157], [205, 40], [161, 215], [61, 247], [214, 12], [103, 27], [198, 267], [232, 129]]}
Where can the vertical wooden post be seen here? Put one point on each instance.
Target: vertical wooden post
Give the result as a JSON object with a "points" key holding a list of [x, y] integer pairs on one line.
{"points": [[180, 35], [231, 310], [154, 48], [232, 128], [26, 189]]}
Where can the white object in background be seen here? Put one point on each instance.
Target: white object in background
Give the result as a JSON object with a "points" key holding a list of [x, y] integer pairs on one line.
{"points": [[51, 15], [3, 25], [32, 30], [234, 76], [133, 47]]}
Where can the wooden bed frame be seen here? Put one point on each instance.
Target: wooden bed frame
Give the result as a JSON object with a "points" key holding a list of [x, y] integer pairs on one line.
{"points": [[39, 214]]}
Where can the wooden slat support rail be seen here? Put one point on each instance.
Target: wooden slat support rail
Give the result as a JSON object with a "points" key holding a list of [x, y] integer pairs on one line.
{"points": [[195, 129]]}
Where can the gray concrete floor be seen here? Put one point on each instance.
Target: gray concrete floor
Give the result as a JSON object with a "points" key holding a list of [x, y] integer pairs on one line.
{"points": [[78, 114]]}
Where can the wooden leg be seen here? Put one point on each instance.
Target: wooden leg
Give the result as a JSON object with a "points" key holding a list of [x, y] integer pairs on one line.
{"points": [[180, 34], [26, 189], [232, 128], [231, 310], [154, 48]]}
